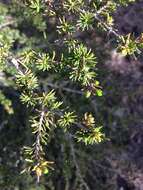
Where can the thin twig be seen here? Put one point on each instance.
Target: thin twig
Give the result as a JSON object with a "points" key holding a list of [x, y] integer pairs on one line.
{"points": [[102, 9], [64, 88], [76, 164], [6, 24], [109, 28], [38, 139], [15, 63]]}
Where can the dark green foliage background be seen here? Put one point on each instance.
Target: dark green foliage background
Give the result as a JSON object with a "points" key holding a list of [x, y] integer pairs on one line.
{"points": [[111, 164]]}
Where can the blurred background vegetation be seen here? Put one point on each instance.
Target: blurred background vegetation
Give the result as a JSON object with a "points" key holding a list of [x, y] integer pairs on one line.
{"points": [[113, 164]]}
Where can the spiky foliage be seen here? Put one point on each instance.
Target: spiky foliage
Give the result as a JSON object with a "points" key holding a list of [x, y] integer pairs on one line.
{"points": [[40, 68]]}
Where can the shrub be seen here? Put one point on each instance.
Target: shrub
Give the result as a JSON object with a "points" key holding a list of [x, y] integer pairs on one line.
{"points": [[54, 72]]}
